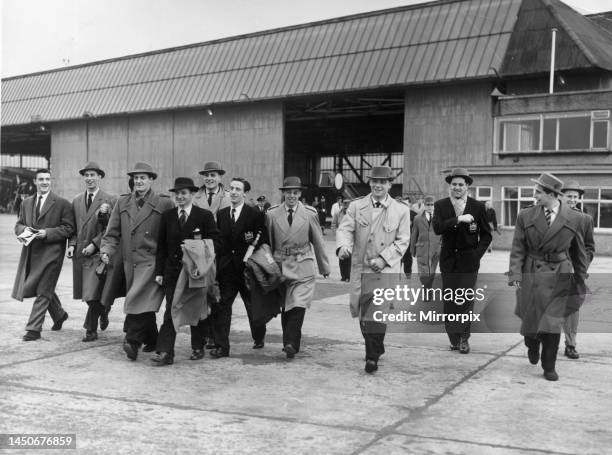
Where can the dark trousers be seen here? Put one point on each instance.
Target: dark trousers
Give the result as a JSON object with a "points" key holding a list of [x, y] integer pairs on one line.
{"points": [[167, 333], [455, 281], [291, 322], [407, 260], [141, 328], [345, 268], [222, 312], [94, 310], [373, 333], [550, 346], [41, 305]]}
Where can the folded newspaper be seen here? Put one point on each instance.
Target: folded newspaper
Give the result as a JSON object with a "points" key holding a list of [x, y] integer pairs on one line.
{"points": [[27, 236]]}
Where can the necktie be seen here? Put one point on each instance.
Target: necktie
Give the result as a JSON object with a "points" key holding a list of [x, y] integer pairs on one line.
{"points": [[377, 205], [290, 216], [140, 202], [233, 215], [89, 199], [548, 215], [38, 204], [210, 195], [182, 218]]}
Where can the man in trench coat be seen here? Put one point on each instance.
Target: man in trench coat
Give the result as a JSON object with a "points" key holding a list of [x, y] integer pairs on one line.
{"points": [[425, 244], [135, 220], [89, 210], [50, 221], [296, 242], [375, 232], [548, 263]]}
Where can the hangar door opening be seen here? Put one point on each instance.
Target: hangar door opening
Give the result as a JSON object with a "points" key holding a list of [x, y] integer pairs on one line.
{"points": [[345, 134]]}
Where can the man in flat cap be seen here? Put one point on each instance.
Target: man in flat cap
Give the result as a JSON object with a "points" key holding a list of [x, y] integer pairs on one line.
{"points": [[91, 211], [135, 221], [461, 221], [375, 232], [46, 222], [572, 194], [425, 244], [296, 242], [548, 262]]}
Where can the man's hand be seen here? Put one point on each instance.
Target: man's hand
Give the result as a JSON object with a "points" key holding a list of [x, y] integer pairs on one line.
{"points": [[41, 234], [377, 264], [195, 273], [344, 252], [159, 279], [89, 250], [70, 252], [104, 258], [466, 218], [516, 284]]}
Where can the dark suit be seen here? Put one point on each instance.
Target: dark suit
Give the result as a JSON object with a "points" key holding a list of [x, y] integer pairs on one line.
{"points": [[168, 263], [463, 245], [407, 259], [235, 240]]}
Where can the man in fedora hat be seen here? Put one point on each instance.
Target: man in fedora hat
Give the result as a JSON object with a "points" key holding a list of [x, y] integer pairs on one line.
{"points": [[375, 233], [572, 194], [425, 243], [91, 211], [186, 221], [46, 220], [461, 221], [212, 196], [296, 242], [547, 263], [135, 221]]}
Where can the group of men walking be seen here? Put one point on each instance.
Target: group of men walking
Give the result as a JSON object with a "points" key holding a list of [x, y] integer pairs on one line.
{"points": [[192, 252]]}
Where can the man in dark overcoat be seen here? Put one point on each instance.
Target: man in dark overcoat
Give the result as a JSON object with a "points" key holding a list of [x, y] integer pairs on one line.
{"points": [[186, 221], [84, 246], [48, 219], [461, 221], [135, 220]]}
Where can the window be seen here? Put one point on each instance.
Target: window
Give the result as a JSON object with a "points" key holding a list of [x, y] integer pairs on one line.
{"points": [[481, 193], [597, 202], [514, 199], [361, 163], [554, 132]]}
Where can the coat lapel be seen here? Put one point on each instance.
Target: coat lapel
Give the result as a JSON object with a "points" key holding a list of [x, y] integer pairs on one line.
{"points": [[95, 205], [47, 206], [283, 224], [144, 212], [299, 218], [556, 225]]}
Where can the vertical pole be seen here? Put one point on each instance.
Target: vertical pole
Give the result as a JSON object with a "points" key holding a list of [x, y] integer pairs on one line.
{"points": [[552, 61]]}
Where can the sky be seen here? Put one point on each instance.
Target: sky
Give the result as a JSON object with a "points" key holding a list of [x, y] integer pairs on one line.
{"points": [[39, 35]]}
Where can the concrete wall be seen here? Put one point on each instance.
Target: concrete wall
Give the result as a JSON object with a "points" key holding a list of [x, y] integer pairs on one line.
{"points": [[446, 126], [247, 140]]}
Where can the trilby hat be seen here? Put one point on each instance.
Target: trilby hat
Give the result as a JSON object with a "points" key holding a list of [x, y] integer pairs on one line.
{"points": [[92, 166], [572, 185], [181, 183], [212, 166], [459, 172], [292, 183], [143, 168], [381, 172], [549, 182]]}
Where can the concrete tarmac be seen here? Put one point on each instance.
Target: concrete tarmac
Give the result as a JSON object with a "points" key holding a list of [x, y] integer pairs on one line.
{"points": [[424, 399]]}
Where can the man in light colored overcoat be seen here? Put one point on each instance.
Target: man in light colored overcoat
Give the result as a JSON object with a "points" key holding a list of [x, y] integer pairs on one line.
{"points": [[376, 232]]}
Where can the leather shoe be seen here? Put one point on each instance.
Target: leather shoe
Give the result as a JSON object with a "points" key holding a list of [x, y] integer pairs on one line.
{"points": [[454, 347], [162, 359], [31, 335], [371, 366], [90, 336], [570, 352], [258, 345], [290, 351], [57, 325], [148, 348], [197, 354], [551, 375], [217, 353], [464, 346], [131, 349], [534, 354], [104, 320]]}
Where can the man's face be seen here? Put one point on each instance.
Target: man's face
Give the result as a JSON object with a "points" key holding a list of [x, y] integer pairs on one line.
{"points": [[380, 187], [211, 180], [183, 197], [42, 181], [458, 187], [571, 197], [292, 197], [429, 206], [236, 191], [543, 198], [92, 180], [142, 183]]}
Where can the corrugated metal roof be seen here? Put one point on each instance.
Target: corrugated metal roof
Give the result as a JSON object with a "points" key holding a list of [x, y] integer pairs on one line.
{"points": [[437, 41]]}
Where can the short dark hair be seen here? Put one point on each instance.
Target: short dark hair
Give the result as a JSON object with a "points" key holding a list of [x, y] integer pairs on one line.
{"points": [[245, 183], [41, 171]]}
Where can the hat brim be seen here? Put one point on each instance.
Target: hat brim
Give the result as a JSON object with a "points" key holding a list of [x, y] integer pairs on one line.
{"points": [[292, 188], [153, 175], [219, 171], [381, 178], [194, 189], [99, 171], [467, 178], [548, 187], [579, 190]]}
